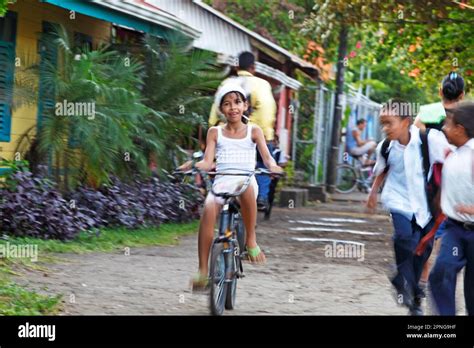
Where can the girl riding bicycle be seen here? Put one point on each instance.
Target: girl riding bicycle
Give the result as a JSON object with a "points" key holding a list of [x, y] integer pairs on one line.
{"points": [[234, 147]]}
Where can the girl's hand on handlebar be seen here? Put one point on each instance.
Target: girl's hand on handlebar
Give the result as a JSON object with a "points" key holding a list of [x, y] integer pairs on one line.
{"points": [[185, 166], [203, 166], [276, 169]]}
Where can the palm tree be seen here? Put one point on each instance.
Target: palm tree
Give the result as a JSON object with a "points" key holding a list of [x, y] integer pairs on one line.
{"points": [[179, 85], [90, 146], [145, 106]]}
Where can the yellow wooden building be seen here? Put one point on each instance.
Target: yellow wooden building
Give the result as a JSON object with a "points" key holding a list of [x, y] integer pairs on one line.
{"points": [[90, 22]]}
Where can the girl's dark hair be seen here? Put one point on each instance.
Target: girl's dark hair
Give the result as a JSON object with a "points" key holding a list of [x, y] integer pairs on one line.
{"points": [[246, 113], [452, 86], [463, 115]]}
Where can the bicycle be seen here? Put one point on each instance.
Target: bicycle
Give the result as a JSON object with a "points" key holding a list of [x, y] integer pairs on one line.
{"points": [[348, 176], [228, 248]]}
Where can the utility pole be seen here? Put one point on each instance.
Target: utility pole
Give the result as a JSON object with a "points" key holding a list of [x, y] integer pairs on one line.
{"points": [[336, 129]]}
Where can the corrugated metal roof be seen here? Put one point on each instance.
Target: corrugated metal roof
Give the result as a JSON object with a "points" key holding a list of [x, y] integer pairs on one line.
{"points": [[217, 36], [221, 35], [141, 9]]}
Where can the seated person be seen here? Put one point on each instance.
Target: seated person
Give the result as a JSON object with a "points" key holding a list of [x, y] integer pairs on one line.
{"points": [[356, 146]]}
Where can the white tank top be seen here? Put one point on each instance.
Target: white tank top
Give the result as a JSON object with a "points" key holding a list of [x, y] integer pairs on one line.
{"points": [[235, 153]]}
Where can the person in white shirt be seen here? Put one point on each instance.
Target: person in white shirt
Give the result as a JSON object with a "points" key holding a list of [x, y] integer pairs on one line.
{"points": [[404, 195], [457, 203]]}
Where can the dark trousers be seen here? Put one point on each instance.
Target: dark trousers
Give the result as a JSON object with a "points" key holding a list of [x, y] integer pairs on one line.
{"points": [[456, 252], [406, 237], [263, 180]]}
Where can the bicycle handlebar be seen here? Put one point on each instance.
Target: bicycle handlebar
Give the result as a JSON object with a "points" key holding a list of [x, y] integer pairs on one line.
{"points": [[249, 174], [258, 171]]}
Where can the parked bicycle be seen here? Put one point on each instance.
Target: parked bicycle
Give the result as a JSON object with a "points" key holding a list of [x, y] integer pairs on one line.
{"points": [[228, 248], [349, 177]]}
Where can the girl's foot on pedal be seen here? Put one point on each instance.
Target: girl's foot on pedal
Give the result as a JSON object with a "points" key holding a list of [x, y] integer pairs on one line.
{"points": [[200, 282], [255, 255]]}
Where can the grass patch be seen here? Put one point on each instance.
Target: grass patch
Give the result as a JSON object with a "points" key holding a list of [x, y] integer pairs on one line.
{"points": [[112, 239], [16, 300]]}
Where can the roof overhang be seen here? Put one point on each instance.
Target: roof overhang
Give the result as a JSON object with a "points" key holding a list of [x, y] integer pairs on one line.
{"points": [[129, 13]]}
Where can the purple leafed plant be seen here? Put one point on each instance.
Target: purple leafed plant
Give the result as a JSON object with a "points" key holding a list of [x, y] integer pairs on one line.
{"points": [[31, 206]]}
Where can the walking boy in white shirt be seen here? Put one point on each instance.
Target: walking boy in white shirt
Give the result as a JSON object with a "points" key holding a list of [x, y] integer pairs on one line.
{"points": [[404, 194], [457, 202]]}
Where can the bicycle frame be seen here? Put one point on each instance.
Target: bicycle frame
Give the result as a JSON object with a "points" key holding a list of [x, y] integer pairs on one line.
{"points": [[227, 247]]}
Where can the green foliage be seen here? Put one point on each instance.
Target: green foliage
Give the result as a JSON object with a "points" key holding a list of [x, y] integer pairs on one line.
{"points": [[111, 239], [15, 300], [289, 178], [274, 20], [91, 147], [304, 152], [410, 44], [9, 168], [15, 166], [179, 84], [387, 82], [3, 7], [346, 116], [146, 107]]}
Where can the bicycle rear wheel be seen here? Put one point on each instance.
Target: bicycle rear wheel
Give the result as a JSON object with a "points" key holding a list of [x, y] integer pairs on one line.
{"points": [[346, 178], [217, 279]]}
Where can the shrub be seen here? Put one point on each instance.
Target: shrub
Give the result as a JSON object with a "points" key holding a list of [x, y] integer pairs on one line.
{"points": [[139, 203], [31, 206]]}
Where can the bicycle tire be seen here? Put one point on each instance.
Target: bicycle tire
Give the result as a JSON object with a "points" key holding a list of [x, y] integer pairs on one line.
{"points": [[232, 286], [346, 178], [217, 279]]}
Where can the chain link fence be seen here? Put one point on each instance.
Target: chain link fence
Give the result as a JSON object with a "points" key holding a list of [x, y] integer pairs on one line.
{"points": [[313, 122]]}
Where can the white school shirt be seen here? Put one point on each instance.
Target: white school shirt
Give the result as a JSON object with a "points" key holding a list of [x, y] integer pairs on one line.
{"points": [[404, 189], [457, 186]]}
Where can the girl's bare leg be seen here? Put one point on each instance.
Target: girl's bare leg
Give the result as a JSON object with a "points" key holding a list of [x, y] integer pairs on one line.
{"points": [[206, 233], [248, 205]]}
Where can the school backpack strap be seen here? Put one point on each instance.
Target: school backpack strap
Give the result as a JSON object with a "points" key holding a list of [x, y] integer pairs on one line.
{"points": [[425, 153], [385, 152], [432, 184]]}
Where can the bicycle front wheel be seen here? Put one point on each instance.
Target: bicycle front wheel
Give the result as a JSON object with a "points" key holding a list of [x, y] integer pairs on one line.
{"points": [[217, 279], [346, 178], [232, 286]]}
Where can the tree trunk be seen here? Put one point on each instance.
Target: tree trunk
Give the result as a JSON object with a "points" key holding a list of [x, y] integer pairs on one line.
{"points": [[336, 129], [66, 171], [57, 173]]}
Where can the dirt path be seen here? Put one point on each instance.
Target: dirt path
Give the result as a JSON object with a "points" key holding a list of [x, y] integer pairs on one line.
{"points": [[298, 278]]}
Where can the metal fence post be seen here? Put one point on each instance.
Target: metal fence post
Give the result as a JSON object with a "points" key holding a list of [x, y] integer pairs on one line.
{"points": [[295, 131], [319, 121]]}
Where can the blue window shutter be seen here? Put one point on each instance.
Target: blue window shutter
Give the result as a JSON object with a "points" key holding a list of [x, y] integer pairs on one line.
{"points": [[49, 60], [7, 67]]}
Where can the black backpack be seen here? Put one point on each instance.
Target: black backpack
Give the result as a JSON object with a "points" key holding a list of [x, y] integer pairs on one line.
{"points": [[433, 185]]}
